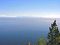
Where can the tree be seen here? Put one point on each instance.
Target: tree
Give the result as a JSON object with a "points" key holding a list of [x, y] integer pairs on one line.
{"points": [[53, 35], [42, 41]]}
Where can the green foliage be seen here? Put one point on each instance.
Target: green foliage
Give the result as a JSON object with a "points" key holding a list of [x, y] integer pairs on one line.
{"points": [[53, 35], [42, 41]]}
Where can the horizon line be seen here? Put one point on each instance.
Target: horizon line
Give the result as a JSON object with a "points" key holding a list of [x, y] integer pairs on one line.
{"points": [[36, 16]]}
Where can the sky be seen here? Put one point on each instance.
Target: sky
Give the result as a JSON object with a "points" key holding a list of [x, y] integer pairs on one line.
{"points": [[30, 8]]}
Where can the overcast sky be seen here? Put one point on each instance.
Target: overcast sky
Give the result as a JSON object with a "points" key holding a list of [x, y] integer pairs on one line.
{"points": [[35, 8]]}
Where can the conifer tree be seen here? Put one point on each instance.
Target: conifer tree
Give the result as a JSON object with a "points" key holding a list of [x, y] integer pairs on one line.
{"points": [[53, 34]]}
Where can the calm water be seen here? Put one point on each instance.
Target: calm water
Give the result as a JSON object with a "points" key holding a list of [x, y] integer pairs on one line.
{"points": [[20, 31]]}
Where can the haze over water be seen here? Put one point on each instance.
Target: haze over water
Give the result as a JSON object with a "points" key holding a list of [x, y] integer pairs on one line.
{"points": [[18, 31]]}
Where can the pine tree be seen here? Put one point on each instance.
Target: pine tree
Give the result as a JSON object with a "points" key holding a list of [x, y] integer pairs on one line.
{"points": [[53, 34]]}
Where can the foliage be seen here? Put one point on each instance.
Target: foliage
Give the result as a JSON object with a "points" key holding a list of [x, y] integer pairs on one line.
{"points": [[42, 41], [53, 35]]}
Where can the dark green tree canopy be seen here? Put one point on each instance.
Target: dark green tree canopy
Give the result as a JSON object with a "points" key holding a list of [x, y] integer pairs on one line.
{"points": [[53, 34], [54, 23]]}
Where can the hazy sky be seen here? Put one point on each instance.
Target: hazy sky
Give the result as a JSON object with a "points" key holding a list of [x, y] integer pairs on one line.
{"points": [[30, 8]]}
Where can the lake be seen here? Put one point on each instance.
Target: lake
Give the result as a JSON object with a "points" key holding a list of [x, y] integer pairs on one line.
{"points": [[20, 31]]}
